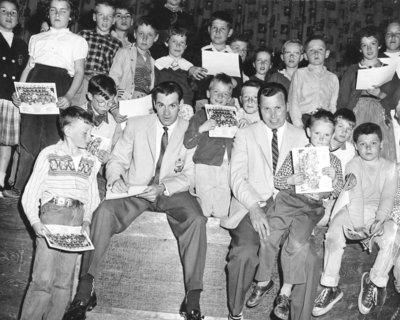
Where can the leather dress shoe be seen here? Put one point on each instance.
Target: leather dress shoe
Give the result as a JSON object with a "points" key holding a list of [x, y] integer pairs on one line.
{"points": [[193, 315], [77, 310], [258, 293]]}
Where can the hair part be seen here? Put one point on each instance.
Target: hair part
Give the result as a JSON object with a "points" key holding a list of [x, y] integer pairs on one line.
{"points": [[223, 78], [292, 41], [221, 15], [177, 31], [345, 114], [367, 128], [322, 115], [72, 114], [102, 85], [167, 88], [271, 89]]}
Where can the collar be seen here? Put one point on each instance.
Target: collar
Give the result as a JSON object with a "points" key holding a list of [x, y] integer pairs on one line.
{"points": [[280, 129], [173, 63], [316, 69], [211, 47], [173, 8], [141, 52], [392, 54], [98, 119], [376, 65], [63, 30], [171, 128], [342, 147]]}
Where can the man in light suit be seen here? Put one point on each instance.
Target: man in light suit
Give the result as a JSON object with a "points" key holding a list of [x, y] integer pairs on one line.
{"points": [[150, 153], [252, 170]]}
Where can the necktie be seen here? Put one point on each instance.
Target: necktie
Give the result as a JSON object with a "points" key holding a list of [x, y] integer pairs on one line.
{"points": [[274, 148], [164, 143]]}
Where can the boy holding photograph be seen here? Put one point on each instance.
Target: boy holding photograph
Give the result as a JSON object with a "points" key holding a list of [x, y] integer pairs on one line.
{"points": [[370, 203], [297, 213], [63, 185], [212, 155]]}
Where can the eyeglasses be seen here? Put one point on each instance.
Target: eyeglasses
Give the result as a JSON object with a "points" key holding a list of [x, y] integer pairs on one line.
{"points": [[392, 35], [61, 12], [103, 103], [123, 16], [12, 13]]}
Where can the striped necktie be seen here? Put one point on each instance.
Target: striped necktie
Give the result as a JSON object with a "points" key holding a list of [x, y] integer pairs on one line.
{"points": [[164, 143], [274, 148]]}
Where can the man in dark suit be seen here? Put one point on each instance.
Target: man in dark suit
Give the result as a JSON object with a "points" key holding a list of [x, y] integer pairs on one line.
{"points": [[150, 153]]}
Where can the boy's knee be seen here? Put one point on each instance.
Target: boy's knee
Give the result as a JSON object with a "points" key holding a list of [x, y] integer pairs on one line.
{"points": [[334, 241], [43, 282]]}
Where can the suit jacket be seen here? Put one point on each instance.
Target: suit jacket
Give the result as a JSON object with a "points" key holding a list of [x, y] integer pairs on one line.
{"points": [[251, 176], [134, 156]]}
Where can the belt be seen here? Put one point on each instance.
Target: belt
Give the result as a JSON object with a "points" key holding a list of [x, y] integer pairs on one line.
{"points": [[66, 202]]}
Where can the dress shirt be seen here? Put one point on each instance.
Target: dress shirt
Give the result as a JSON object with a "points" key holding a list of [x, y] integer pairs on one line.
{"points": [[279, 133], [211, 47], [159, 134]]}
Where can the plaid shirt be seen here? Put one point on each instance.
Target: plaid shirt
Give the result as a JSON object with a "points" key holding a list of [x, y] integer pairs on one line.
{"points": [[286, 170], [102, 49]]}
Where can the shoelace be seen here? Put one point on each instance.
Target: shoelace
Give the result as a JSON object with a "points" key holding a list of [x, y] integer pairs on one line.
{"points": [[322, 297], [372, 294]]}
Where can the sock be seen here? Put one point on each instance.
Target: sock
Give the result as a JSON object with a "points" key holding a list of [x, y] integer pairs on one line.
{"points": [[193, 300], [2, 178], [85, 288], [263, 283], [286, 289]]}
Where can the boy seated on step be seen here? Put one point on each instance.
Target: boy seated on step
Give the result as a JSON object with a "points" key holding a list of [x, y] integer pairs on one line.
{"points": [[298, 213], [212, 154], [61, 190], [370, 202], [249, 112], [341, 147]]}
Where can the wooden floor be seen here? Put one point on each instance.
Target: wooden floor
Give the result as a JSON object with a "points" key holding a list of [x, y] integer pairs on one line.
{"points": [[16, 247]]}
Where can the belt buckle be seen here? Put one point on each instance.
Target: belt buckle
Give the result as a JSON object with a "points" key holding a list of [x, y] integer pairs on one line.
{"points": [[61, 202]]}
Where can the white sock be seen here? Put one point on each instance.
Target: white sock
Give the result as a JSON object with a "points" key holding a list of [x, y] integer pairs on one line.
{"points": [[286, 289], [2, 178]]}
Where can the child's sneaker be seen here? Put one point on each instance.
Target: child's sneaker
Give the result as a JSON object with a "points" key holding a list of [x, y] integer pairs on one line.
{"points": [[326, 300], [282, 307], [368, 294], [238, 317]]}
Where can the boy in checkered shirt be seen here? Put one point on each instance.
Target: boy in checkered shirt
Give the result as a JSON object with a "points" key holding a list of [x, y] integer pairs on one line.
{"points": [[102, 46]]}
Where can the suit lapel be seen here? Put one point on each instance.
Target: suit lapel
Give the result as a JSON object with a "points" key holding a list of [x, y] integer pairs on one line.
{"points": [[262, 141], [151, 137]]}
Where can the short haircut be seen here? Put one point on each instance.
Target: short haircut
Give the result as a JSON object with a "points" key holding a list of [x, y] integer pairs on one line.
{"points": [[270, 89], [312, 38], [108, 3], [224, 78], [292, 41], [367, 128], [345, 114], [263, 49], [145, 20], [167, 88], [370, 31], [14, 2], [239, 37], [124, 4], [102, 85], [323, 115], [251, 83], [221, 15], [176, 31], [71, 114]]}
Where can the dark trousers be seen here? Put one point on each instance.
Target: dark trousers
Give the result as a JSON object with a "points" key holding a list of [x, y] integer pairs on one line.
{"points": [[39, 131], [243, 261], [184, 217]]}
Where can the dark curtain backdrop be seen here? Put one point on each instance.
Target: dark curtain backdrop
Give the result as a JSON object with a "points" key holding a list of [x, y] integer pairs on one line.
{"points": [[271, 22]]}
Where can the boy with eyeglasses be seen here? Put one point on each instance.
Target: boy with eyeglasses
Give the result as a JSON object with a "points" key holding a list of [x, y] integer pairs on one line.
{"points": [[291, 55], [102, 46], [123, 23]]}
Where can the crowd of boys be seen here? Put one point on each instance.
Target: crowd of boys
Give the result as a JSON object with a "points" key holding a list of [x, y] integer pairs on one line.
{"points": [[247, 181]]}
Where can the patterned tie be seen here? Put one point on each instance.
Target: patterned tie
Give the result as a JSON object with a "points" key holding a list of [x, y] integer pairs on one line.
{"points": [[274, 148], [164, 143]]}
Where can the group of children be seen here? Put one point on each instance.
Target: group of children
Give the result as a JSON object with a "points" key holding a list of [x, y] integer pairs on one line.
{"points": [[97, 68]]}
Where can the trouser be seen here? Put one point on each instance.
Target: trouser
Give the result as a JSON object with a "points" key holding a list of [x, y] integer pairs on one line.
{"points": [[212, 187], [335, 242], [50, 289], [243, 261], [299, 215], [184, 217], [39, 131]]}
